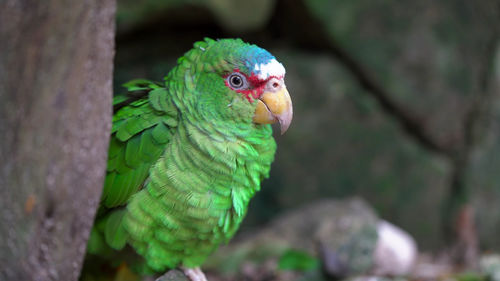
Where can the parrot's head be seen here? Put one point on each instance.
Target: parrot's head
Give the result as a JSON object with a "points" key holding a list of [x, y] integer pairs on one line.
{"points": [[238, 82]]}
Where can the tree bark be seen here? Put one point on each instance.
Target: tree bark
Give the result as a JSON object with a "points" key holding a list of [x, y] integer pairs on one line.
{"points": [[55, 113]]}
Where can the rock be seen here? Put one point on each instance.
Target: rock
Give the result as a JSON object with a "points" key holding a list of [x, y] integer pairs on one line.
{"points": [[349, 250], [395, 251], [375, 278], [330, 224], [346, 235], [173, 275], [490, 266]]}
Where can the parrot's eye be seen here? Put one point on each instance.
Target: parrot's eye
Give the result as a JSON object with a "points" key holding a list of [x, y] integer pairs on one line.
{"points": [[237, 81]]}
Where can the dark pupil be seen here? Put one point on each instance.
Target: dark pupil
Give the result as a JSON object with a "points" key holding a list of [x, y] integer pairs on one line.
{"points": [[236, 81]]}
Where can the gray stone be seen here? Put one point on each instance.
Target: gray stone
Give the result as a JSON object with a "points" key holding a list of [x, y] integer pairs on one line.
{"points": [[346, 235], [395, 251], [173, 275], [490, 265]]}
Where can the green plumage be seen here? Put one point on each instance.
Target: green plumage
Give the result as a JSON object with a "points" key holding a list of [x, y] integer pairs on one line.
{"points": [[184, 160]]}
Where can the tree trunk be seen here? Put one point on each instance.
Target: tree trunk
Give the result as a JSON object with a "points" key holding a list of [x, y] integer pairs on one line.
{"points": [[55, 113]]}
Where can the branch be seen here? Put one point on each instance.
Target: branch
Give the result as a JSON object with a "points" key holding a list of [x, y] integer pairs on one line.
{"points": [[410, 123], [311, 32], [481, 103], [475, 125]]}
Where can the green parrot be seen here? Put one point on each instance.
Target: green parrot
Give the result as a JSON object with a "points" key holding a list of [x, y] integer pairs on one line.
{"points": [[187, 155]]}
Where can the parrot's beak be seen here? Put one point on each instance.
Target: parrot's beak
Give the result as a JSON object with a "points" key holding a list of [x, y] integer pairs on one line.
{"points": [[274, 105]]}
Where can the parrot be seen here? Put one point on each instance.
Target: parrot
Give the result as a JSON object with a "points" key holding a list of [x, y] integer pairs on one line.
{"points": [[186, 155]]}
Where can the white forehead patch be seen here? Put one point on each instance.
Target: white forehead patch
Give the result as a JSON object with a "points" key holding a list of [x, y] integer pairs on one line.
{"points": [[272, 68]]}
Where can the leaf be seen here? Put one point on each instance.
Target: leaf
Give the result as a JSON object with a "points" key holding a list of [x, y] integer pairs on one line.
{"points": [[297, 260]]}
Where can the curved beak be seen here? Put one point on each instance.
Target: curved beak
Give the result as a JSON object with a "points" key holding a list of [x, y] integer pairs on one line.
{"points": [[275, 105]]}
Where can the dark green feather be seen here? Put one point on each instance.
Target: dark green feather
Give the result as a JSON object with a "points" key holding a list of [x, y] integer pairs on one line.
{"points": [[114, 233], [139, 135]]}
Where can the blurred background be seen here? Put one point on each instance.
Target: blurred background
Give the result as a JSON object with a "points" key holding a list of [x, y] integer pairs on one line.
{"points": [[389, 171], [395, 102]]}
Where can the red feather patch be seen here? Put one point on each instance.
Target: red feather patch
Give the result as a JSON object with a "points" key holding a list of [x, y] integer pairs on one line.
{"points": [[255, 85]]}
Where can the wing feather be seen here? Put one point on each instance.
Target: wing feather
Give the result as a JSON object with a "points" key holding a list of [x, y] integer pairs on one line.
{"points": [[142, 126]]}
